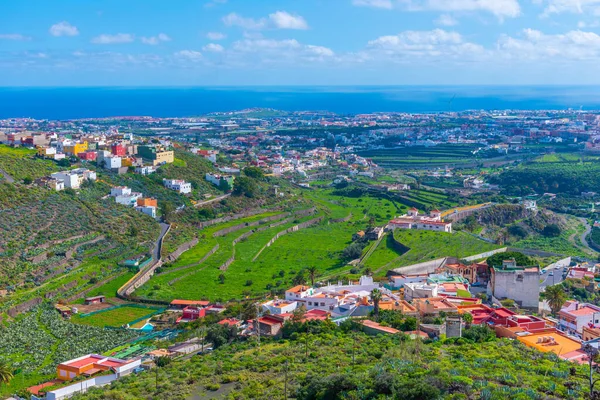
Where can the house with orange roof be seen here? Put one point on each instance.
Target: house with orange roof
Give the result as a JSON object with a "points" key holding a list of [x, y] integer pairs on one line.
{"points": [[550, 340], [573, 316], [93, 364], [434, 305], [373, 328], [412, 220], [398, 305]]}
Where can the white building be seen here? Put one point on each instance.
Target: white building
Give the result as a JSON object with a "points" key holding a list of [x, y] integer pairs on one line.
{"points": [[573, 316], [148, 210], [120, 191], [178, 185], [128, 200], [146, 170], [419, 291], [279, 306], [412, 220], [74, 178], [522, 284]]}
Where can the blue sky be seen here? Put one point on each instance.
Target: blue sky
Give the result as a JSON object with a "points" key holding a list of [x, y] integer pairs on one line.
{"points": [[298, 42]]}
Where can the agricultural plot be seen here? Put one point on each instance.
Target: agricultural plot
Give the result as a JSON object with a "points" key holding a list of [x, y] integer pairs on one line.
{"points": [[38, 341], [425, 246], [243, 277], [117, 316], [417, 156]]}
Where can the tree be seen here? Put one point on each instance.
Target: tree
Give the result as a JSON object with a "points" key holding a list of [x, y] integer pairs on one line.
{"points": [[254, 172], [556, 297], [376, 297], [163, 361], [312, 274], [518, 231], [520, 258], [6, 374], [468, 318], [245, 186], [551, 230], [222, 278], [167, 209]]}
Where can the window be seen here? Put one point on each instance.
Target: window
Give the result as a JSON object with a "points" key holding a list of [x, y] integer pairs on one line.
{"points": [[310, 303], [519, 277], [322, 304]]}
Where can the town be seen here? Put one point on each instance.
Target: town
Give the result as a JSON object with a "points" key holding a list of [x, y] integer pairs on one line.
{"points": [[173, 241]]}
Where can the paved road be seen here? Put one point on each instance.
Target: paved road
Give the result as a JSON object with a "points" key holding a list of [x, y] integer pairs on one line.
{"points": [[6, 176], [584, 235], [555, 279], [158, 245]]}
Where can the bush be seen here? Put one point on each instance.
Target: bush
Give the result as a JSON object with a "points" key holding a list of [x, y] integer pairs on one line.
{"points": [[551, 231]]}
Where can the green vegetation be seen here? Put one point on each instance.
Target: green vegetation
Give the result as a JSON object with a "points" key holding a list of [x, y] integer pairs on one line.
{"points": [[414, 157], [38, 341], [563, 177], [22, 164], [332, 364], [425, 246], [116, 316], [521, 259]]}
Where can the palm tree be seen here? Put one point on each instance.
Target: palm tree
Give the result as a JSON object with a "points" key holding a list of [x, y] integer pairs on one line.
{"points": [[368, 271], [376, 297], [5, 373], [556, 297], [312, 274]]}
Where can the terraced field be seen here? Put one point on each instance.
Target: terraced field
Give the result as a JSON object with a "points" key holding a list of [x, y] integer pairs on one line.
{"points": [[418, 156], [424, 246]]}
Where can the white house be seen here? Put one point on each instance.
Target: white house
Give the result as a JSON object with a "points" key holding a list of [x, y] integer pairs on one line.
{"points": [[573, 316], [146, 170], [74, 178], [412, 220], [279, 306], [128, 200], [419, 290], [148, 210], [178, 185], [120, 191]]}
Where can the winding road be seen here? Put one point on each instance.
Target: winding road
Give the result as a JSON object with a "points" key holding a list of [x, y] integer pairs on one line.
{"points": [[584, 235]]}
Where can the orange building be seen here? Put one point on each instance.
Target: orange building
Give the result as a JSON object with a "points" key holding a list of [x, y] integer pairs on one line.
{"points": [[550, 340], [90, 365], [147, 202]]}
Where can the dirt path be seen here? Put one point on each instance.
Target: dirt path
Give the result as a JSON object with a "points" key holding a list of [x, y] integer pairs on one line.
{"points": [[6, 176]]}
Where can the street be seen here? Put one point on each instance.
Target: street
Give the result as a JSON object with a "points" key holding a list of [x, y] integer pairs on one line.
{"points": [[547, 280]]}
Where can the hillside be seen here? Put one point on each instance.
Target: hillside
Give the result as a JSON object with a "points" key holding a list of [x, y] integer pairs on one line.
{"points": [[332, 364]]}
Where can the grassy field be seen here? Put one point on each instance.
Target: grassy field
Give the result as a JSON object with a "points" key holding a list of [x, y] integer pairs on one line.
{"points": [[20, 163], [115, 317], [425, 246], [110, 289]]}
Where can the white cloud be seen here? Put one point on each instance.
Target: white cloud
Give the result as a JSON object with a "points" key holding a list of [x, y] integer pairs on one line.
{"points": [[499, 8], [215, 36], [385, 4], [113, 39], [271, 51], [434, 44], [13, 36], [532, 44], [570, 6], [235, 19], [446, 20], [285, 20], [154, 40], [63, 29], [276, 20], [213, 48], [190, 55]]}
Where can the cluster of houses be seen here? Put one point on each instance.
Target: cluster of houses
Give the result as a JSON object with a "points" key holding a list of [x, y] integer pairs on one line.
{"points": [[72, 179], [123, 195]]}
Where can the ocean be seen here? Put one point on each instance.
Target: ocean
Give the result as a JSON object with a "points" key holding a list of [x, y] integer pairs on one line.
{"points": [[88, 102]]}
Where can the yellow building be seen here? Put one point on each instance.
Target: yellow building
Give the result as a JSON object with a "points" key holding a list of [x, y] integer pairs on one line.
{"points": [[76, 148]]}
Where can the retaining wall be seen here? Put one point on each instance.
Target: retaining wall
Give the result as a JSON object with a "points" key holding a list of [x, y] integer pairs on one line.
{"points": [[294, 228]]}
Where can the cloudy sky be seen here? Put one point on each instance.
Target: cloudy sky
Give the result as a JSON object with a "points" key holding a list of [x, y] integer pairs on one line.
{"points": [[298, 42]]}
